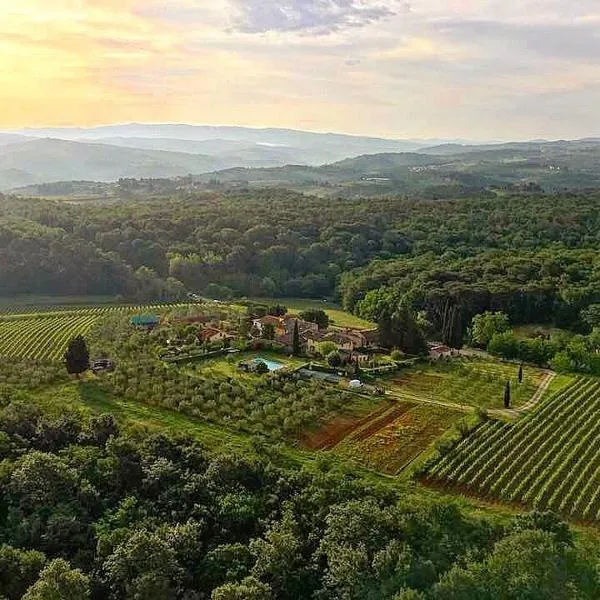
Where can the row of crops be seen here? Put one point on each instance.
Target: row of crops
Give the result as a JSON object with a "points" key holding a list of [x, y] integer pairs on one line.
{"points": [[20, 310], [42, 337], [550, 460], [44, 334]]}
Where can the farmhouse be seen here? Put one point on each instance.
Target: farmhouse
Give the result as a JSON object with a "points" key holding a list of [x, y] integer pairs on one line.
{"points": [[277, 323], [212, 334], [303, 326], [311, 340]]}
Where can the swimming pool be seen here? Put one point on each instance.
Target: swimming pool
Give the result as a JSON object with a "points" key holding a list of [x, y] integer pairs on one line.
{"points": [[272, 365]]}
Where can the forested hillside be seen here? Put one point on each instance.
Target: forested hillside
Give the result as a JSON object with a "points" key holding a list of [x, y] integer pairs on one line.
{"points": [[94, 510], [516, 252]]}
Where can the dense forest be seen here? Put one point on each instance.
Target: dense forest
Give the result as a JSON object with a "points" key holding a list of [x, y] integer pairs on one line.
{"points": [[528, 254], [91, 511]]}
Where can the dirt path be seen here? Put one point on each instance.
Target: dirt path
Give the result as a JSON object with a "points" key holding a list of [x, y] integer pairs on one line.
{"points": [[507, 413], [539, 393], [426, 400]]}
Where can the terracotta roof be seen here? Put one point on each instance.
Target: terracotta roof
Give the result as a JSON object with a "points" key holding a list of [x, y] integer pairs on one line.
{"points": [[270, 319], [209, 332], [312, 335]]}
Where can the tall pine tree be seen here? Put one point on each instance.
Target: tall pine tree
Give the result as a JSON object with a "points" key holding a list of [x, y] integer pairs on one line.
{"points": [[77, 357]]}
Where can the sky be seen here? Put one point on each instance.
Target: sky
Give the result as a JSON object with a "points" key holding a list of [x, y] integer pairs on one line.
{"points": [[470, 69]]}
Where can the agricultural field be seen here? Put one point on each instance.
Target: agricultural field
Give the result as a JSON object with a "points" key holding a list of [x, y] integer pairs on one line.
{"points": [[338, 316], [549, 460], [42, 332], [42, 337], [388, 438], [471, 382]]}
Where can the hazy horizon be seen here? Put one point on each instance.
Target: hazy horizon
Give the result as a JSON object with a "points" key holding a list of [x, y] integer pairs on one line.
{"points": [[30, 131]]}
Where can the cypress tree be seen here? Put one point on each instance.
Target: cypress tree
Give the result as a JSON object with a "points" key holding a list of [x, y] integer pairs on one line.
{"points": [[507, 394], [520, 373], [296, 349], [77, 356]]}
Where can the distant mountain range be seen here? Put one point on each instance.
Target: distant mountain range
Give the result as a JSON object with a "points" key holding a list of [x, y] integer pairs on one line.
{"points": [[302, 160], [107, 153]]}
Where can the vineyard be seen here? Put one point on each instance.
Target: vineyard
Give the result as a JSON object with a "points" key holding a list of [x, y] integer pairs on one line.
{"points": [[550, 460], [43, 332]]}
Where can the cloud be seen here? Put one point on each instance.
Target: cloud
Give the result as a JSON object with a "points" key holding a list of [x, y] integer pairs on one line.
{"points": [[314, 16]]}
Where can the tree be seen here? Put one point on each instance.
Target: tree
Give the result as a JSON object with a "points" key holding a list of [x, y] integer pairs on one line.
{"points": [[268, 331], [507, 394], [591, 315], [520, 376], [317, 316], [334, 359], [277, 310], [296, 348], [485, 325], [59, 582], [452, 325], [530, 564], [248, 589], [326, 348], [261, 367], [77, 356], [174, 289], [504, 344], [398, 329], [18, 570]]}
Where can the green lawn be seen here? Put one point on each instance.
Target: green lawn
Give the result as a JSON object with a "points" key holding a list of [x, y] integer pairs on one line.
{"points": [[533, 331], [468, 382], [337, 315], [227, 366]]}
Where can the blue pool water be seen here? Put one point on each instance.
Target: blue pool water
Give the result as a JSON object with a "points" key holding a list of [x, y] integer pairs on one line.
{"points": [[272, 365]]}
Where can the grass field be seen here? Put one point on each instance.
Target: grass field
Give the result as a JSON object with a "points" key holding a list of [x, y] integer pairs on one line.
{"points": [[472, 382], [534, 331], [550, 460], [337, 315]]}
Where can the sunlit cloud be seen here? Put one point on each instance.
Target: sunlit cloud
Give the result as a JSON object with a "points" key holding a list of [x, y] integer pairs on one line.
{"points": [[484, 69]]}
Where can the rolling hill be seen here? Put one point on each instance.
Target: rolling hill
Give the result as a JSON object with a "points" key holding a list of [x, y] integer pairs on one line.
{"points": [[443, 169], [44, 160]]}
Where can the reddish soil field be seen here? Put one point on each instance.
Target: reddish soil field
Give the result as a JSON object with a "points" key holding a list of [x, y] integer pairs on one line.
{"points": [[398, 441], [334, 431], [382, 422]]}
